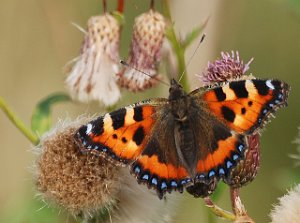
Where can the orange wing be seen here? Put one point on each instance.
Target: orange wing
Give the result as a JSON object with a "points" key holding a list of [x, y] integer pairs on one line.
{"points": [[120, 135], [246, 105]]}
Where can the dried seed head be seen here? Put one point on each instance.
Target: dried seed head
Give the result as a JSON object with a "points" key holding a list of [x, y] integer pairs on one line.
{"points": [[82, 184], [288, 209], [145, 54], [246, 170], [227, 68], [93, 76]]}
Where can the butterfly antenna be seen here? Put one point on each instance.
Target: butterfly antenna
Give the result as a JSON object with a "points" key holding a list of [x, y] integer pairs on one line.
{"points": [[143, 72], [189, 61]]}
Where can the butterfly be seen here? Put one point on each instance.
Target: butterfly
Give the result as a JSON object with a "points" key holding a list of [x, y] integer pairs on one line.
{"points": [[188, 140]]}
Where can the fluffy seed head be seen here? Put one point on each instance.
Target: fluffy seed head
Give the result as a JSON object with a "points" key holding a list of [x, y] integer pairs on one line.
{"points": [[79, 183], [288, 209], [227, 68], [145, 53], [93, 76]]}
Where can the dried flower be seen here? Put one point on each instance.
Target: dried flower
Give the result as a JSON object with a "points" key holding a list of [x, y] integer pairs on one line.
{"points": [[145, 54], [79, 183], [88, 185], [93, 76], [288, 209], [225, 69]]}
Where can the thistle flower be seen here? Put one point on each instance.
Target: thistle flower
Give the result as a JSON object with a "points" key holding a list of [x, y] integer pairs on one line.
{"points": [[288, 209], [145, 54], [82, 184], [90, 186], [227, 68], [93, 76]]}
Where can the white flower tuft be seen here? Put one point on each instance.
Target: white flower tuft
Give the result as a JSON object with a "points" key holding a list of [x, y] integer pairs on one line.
{"points": [[288, 209]]}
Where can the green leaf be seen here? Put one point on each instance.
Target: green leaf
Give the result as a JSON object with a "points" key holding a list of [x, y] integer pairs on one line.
{"points": [[41, 120], [194, 34]]}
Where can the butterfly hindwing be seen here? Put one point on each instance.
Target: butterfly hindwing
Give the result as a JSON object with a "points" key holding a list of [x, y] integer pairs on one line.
{"points": [[246, 105]]}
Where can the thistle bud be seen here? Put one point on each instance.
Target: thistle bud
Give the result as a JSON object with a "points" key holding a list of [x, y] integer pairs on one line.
{"points": [[93, 76], [246, 170], [145, 53]]}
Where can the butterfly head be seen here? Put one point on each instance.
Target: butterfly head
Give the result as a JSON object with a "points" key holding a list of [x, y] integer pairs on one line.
{"points": [[176, 91]]}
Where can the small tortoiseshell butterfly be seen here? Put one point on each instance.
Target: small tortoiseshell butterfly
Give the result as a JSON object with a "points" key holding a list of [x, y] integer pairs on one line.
{"points": [[187, 139]]}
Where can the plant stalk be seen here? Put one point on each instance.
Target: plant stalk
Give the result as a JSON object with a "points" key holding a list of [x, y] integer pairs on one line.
{"points": [[18, 122]]}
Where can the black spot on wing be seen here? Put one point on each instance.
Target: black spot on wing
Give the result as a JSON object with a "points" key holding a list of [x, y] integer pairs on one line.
{"points": [[239, 89], [228, 114], [221, 96], [118, 118], [138, 114], [243, 111], [220, 133], [152, 148], [139, 136], [261, 87]]}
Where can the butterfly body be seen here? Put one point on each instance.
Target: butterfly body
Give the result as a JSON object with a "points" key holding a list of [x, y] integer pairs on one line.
{"points": [[186, 140]]}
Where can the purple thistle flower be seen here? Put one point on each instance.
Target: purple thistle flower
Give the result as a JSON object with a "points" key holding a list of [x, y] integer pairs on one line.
{"points": [[227, 68]]}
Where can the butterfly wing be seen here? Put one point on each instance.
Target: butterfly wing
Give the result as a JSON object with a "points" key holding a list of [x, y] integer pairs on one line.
{"points": [[225, 115], [219, 149], [142, 136], [246, 105]]}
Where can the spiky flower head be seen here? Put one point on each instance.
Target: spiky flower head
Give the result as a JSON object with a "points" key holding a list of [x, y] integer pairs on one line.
{"points": [[93, 76], [81, 184], [288, 209], [229, 67], [145, 53]]}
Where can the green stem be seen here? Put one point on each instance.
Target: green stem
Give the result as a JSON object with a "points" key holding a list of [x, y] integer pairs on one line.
{"points": [[179, 50], [219, 211], [18, 122]]}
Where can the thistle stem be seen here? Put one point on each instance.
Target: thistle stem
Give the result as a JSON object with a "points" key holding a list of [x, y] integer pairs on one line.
{"points": [[18, 122], [104, 3], [120, 7], [218, 211], [179, 50]]}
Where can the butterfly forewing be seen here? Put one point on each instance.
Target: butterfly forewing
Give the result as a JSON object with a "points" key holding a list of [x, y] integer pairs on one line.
{"points": [[247, 104], [120, 135]]}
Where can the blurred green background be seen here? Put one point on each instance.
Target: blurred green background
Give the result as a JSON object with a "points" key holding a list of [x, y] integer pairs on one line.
{"points": [[37, 40]]}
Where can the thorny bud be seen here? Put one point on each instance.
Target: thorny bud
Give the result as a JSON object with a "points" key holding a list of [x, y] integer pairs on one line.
{"points": [[229, 67], [145, 53], [93, 76]]}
